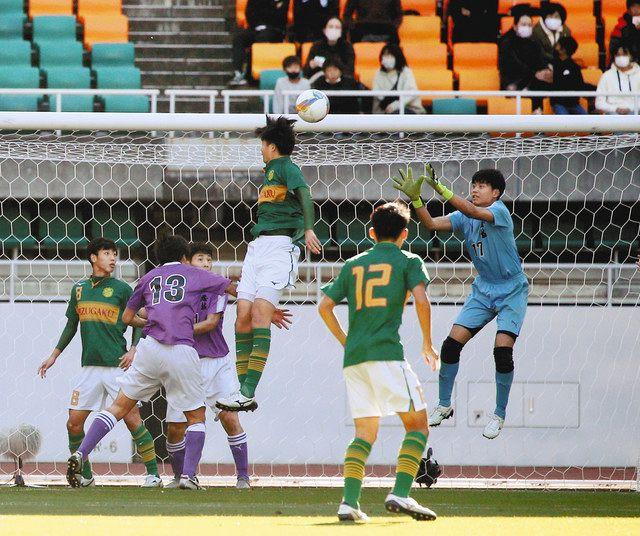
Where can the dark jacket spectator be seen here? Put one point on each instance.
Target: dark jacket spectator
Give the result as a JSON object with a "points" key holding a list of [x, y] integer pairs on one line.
{"points": [[333, 80], [375, 20], [567, 76], [550, 28], [333, 45], [310, 16], [474, 20], [627, 31]]}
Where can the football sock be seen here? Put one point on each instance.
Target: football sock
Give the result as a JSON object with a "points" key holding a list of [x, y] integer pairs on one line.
{"points": [[146, 449], [503, 386], [244, 343], [176, 455], [354, 461], [238, 446], [447, 378], [193, 445], [257, 361], [409, 462], [74, 443], [100, 427]]}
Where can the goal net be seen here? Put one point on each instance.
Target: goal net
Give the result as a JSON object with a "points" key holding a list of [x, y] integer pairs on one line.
{"points": [[572, 418]]}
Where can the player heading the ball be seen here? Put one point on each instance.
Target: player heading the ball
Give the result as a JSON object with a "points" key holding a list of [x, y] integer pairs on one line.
{"points": [[500, 290]]}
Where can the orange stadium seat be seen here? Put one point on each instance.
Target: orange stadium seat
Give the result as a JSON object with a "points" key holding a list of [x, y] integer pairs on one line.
{"points": [[241, 19], [367, 57], [366, 75], [343, 6], [475, 55], [591, 75], [269, 56], [431, 54], [583, 28], [430, 79], [419, 29], [102, 28], [508, 106], [613, 8], [579, 7], [50, 7], [305, 48], [93, 7], [290, 13], [424, 7], [588, 55], [479, 79]]}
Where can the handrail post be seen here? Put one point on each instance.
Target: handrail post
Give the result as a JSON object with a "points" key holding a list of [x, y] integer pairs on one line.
{"points": [[212, 108], [172, 102]]}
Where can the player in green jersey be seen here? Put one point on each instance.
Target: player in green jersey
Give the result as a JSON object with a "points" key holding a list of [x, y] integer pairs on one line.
{"points": [[379, 381], [97, 305], [285, 217]]}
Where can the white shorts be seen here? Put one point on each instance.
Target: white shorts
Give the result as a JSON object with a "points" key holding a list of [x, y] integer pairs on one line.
{"points": [[93, 387], [381, 388], [174, 367], [220, 381], [270, 266]]}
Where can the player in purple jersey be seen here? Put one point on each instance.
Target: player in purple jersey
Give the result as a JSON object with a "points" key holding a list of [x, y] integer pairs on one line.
{"points": [[171, 295]]}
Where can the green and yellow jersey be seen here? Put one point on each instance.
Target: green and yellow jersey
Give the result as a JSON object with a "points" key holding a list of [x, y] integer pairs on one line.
{"points": [[375, 284]]}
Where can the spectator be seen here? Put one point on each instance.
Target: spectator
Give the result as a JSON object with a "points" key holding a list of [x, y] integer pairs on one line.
{"points": [[266, 23], [394, 75], [567, 76], [627, 31], [474, 20], [333, 80], [310, 17], [332, 45], [550, 28], [622, 77], [375, 20], [293, 81]]}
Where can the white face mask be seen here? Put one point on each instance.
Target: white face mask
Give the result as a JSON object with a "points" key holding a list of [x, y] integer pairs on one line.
{"points": [[524, 31], [553, 24], [388, 62], [333, 34], [636, 20], [622, 61]]}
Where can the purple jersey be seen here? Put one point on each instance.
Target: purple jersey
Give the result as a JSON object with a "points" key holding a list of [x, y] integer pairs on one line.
{"points": [[212, 343], [171, 295]]}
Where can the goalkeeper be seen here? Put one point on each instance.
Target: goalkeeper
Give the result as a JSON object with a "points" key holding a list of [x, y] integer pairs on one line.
{"points": [[499, 291]]}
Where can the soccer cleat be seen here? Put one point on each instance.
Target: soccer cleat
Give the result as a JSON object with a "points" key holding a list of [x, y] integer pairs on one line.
{"points": [[243, 483], [87, 482], [174, 484], [189, 482], [74, 470], [493, 427], [439, 414], [238, 79], [348, 513], [152, 481], [408, 506], [237, 402]]}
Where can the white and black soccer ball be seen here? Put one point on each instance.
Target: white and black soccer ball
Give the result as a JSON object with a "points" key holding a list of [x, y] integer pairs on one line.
{"points": [[312, 105]]}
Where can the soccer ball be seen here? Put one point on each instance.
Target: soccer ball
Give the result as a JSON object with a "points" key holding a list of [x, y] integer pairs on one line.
{"points": [[312, 105]]}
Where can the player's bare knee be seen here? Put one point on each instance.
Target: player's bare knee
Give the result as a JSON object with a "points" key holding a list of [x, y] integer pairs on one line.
{"points": [[195, 416], [503, 356], [133, 420], [261, 314], [450, 351], [75, 426], [176, 431]]}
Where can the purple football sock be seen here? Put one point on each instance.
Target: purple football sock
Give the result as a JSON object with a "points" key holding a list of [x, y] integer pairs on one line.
{"points": [[176, 455], [100, 427], [238, 446], [194, 443]]}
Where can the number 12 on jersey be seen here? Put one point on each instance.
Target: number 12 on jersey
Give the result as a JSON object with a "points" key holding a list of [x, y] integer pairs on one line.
{"points": [[364, 290]]}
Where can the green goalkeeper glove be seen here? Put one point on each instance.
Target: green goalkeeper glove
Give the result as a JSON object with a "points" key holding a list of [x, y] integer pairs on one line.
{"points": [[434, 182], [410, 186]]}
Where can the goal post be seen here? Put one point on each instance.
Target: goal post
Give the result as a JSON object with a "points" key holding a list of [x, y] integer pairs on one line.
{"points": [[574, 196]]}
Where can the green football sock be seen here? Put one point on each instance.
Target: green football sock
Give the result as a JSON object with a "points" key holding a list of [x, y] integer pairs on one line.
{"points": [[409, 462], [74, 443], [244, 344], [257, 361], [146, 449], [354, 461]]}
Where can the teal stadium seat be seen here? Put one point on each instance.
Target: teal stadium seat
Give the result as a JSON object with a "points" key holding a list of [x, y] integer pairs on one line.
{"points": [[60, 54], [268, 79], [115, 223], [53, 28], [12, 6], [15, 52], [454, 107], [122, 78], [75, 77], [112, 55], [60, 227], [11, 25], [15, 229], [19, 77]]}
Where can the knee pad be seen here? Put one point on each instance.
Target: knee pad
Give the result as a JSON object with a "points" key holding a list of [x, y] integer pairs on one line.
{"points": [[503, 356], [450, 352]]}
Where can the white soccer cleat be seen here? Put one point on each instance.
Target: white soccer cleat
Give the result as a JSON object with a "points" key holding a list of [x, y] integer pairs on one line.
{"points": [[493, 427], [152, 481], [237, 402], [74, 470], [348, 513], [439, 414], [408, 506], [243, 483], [187, 482], [87, 482], [174, 484]]}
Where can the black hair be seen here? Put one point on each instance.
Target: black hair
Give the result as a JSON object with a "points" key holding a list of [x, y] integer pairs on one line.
{"points": [[568, 44], [395, 51], [199, 247], [632, 3], [521, 10], [280, 132], [98, 244], [624, 48], [291, 60], [492, 177], [551, 8], [170, 248], [333, 62], [390, 219]]}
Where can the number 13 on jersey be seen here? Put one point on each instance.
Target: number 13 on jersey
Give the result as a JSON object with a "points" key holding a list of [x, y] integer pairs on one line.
{"points": [[365, 289]]}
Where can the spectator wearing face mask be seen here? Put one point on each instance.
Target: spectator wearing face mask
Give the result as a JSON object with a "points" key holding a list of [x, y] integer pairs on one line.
{"points": [[310, 17], [293, 82], [335, 80], [332, 45], [627, 31], [623, 77], [550, 28], [373, 20], [394, 75], [474, 20], [567, 76]]}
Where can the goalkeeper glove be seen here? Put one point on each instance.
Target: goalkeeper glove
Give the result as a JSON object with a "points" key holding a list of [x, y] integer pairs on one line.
{"points": [[410, 186], [434, 182]]}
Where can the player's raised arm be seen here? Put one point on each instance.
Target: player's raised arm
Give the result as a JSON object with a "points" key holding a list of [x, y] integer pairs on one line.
{"points": [[423, 311], [326, 308]]}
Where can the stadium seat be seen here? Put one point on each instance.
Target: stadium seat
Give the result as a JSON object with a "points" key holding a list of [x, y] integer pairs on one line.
{"points": [[612, 8], [60, 227], [588, 55], [457, 106], [112, 55], [15, 228], [19, 77], [54, 29], [59, 54], [591, 75], [430, 79], [475, 55], [12, 25], [367, 59], [581, 7], [479, 79], [269, 78], [70, 77], [15, 52], [583, 28], [241, 20], [416, 57], [112, 28], [269, 56], [126, 103], [50, 7], [305, 48], [122, 78], [508, 106], [115, 223], [11, 6], [94, 7], [419, 29], [424, 7]]}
